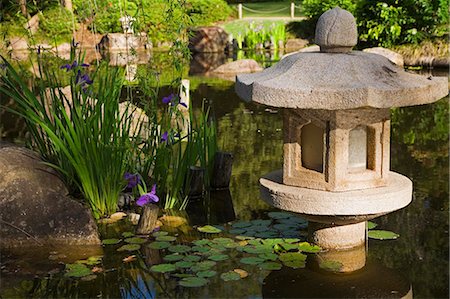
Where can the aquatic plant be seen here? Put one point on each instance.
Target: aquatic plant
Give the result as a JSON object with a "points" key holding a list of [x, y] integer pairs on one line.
{"points": [[148, 197], [84, 134]]}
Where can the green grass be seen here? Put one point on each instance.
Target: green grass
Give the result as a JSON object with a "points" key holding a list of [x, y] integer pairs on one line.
{"points": [[239, 26], [270, 9]]}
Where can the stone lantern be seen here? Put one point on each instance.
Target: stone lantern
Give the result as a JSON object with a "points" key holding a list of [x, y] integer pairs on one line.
{"points": [[337, 131]]}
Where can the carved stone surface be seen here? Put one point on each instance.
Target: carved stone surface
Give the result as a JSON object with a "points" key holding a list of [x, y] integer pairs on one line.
{"points": [[389, 54]]}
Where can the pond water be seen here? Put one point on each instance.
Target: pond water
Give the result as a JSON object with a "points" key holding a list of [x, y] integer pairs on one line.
{"points": [[416, 262]]}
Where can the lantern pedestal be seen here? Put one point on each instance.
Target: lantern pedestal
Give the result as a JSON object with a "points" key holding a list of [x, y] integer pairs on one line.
{"points": [[337, 219]]}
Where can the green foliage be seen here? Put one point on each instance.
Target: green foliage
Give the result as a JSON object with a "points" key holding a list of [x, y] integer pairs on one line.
{"points": [[314, 8], [205, 12], [57, 24], [396, 22]]}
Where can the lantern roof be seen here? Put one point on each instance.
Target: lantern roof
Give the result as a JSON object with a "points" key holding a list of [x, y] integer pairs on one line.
{"points": [[337, 77]]}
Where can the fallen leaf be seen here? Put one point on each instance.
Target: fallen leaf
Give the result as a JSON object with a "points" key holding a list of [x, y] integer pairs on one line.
{"points": [[129, 259], [241, 272], [97, 269]]}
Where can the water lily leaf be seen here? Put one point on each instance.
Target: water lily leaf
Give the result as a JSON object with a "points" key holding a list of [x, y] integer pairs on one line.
{"points": [[268, 256], [209, 229], [222, 241], [166, 238], [291, 240], [94, 260], [202, 266], [159, 245], [202, 242], [174, 257], [218, 257], [290, 234], [329, 265], [310, 248], [179, 248], [288, 246], [258, 249], [244, 238], [237, 231], [200, 249], [207, 273], [127, 234], [295, 264], [382, 235], [371, 225], [183, 275], [279, 215], [129, 247], [135, 240], [251, 260], [258, 228], [230, 276], [160, 233], [110, 241], [218, 247], [270, 266], [184, 264], [293, 259], [267, 234], [241, 224], [193, 282], [261, 222], [255, 242], [231, 245], [163, 268], [272, 241], [192, 258], [77, 270], [284, 227]]}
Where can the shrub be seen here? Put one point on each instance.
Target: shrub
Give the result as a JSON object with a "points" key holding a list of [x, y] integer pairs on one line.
{"points": [[314, 8], [205, 12], [396, 22], [56, 24]]}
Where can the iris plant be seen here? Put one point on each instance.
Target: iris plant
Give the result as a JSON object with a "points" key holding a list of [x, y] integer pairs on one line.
{"points": [[147, 198]]}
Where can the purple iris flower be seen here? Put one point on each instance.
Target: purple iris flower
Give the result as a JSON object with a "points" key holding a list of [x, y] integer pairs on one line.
{"points": [[168, 99], [164, 137], [74, 64], [183, 104], [132, 179], [148, 197]]}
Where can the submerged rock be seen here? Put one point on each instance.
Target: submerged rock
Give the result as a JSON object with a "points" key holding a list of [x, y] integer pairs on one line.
{"points": [[34, 204]]}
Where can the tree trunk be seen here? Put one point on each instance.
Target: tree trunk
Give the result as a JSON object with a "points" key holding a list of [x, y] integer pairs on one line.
{"points": [[147, 221], [23, 8]]}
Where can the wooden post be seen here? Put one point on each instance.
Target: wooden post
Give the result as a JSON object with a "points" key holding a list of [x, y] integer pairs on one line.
{"points": [[221, 173], [240, 10], [147, 221], [195, 181], [292, 10]]}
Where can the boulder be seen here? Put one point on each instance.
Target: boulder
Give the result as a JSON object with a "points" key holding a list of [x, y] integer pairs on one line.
{"points": [[18, 44], [389, 54], [62, 50], [295, 44], [209, 39], [239, 67], [35, 207], [123, 41], [32, 24], [202, 63]]}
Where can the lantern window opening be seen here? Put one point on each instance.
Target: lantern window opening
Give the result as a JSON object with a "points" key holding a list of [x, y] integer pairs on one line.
{"points": [[361, 149], [312, 142]]}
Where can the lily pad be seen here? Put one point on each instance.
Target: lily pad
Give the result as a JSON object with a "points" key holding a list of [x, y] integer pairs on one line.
{"points": [[230, 276], [173, 257], [244, 238], [193, 282], [310, 248], [371, 225], [94, 260], [207, 273], [160, 233], [291, 240], [241, 224], [184, 264], [329, 265], [279, 215], [237, 231], [202, 242], [251, 260], [202, 266], [200, 249], [218, 257], [192, 258], [166, 238], [163, 268], [222, 241], [209, 229], [261, 222], [110, 241], [382, 235], [127, 234], [135, 240], [268, 256], [231, 245], [293, 259], [129, 247], [77, 270], [183, 275], [179, 248], [267, 234], [159, 245], [270, 266], [89, 277]]}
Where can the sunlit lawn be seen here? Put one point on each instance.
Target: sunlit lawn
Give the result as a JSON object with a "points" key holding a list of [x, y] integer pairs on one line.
{"points": [[270, 9]]}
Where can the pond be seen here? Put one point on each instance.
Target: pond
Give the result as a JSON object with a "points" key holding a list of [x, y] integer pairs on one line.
{"points": [[416, 262]]}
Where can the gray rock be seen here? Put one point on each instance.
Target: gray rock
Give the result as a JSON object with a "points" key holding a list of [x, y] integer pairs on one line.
{"points": [[295, 44], [239, 67], [123, 41], [389, 54], [336, 31], [32, 24], [34, 200], [18, 44], [208, 40]]}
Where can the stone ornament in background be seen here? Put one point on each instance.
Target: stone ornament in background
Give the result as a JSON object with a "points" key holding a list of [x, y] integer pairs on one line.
{"points": [[336, 102]]}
